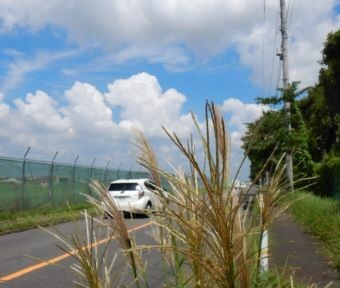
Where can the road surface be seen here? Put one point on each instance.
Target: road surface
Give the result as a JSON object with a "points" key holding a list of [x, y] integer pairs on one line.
{"points": [[21, 256], [299, 254]]}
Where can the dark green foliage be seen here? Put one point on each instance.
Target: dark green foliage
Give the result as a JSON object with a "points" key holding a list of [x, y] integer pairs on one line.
{"points": [[321, 109], [329, 177], [329, 77], [318, 121]]}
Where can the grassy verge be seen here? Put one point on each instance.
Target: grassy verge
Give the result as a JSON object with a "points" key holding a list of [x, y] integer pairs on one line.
{"points": [[320, 217], [13, 221]]}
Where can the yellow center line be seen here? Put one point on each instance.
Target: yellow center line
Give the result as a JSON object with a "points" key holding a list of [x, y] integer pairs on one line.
{"points": [[54, 260]]}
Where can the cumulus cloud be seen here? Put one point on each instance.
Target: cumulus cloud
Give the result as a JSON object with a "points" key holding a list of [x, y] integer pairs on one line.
{"points": [[170, 32], [34, 122], [237, 114], [241, 113], [91, 123], [40, 109], [87, 108], [94, 123], [4, 108], [141, 98]]}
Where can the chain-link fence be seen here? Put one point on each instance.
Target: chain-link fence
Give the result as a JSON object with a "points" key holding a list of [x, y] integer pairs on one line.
{"points": [[28, 184]]}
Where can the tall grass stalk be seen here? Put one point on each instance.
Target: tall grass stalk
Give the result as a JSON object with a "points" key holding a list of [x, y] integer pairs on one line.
{"points": [[119, 229], [204, 235], [209, 229], [92, 267]]}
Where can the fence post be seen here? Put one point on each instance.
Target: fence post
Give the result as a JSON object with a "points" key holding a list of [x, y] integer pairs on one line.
{"points": [[94, 160], [105, 172], [139, 172], [129, 173], [51, 179], [120, 165], [74, 178], [24, 203]]}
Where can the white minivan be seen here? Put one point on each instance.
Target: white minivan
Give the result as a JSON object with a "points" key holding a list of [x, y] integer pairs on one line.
{"points": [[133, 195]]}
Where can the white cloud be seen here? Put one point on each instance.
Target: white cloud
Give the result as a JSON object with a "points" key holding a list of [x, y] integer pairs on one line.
{"points": [[4, 108], [142, 101], [177, 34], [86, 124], [241, 113], [40, 110], [308, 26], [140, 22], [35, 122], [171, 31], [237, 114], [87, 108], [21, 66]]}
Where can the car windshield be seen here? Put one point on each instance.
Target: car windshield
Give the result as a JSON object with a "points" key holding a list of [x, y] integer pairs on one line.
{"points": [[123, 186]]}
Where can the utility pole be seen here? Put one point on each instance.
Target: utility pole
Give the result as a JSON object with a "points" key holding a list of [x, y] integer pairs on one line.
{"points": [[284, 58]]}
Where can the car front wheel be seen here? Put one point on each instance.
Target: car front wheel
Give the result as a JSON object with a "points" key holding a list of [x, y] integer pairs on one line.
{"points": [[148, 206]]}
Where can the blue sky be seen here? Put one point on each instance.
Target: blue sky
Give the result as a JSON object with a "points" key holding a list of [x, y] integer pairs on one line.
{"points": [[77, 77]]}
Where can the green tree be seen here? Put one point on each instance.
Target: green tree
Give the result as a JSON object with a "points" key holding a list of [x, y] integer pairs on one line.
{"points": [[270, 132], [315, 121], [261, 139], [321, 109]]}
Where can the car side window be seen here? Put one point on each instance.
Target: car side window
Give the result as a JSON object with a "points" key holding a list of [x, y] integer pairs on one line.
{"points": [[150, 185]]}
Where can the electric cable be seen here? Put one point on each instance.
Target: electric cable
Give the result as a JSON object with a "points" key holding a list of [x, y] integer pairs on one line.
{"points": [[270, 88], [290, 12], [263, 41], [278, 80]]}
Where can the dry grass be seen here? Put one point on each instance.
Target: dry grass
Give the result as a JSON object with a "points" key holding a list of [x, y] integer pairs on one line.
{"points": [[209, 229], [205, 237], [93, 267]]}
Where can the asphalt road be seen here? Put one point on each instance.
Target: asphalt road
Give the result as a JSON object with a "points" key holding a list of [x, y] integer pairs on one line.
{"points": [[21, 256]]}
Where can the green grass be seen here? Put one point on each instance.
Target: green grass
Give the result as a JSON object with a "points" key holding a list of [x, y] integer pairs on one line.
{"points": [[320, 217], [13, 221], [12, 196]]}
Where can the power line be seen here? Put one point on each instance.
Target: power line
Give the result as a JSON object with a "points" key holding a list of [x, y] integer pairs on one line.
{"points": [[270, 88], [278, 79], [290, 12], [263, 40]]}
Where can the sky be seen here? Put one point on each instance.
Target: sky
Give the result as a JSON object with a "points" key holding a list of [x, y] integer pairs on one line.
{"points": [[78, 76]]}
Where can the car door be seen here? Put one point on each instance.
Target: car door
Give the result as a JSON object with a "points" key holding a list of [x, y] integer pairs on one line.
{"points": [[152, 190]]}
